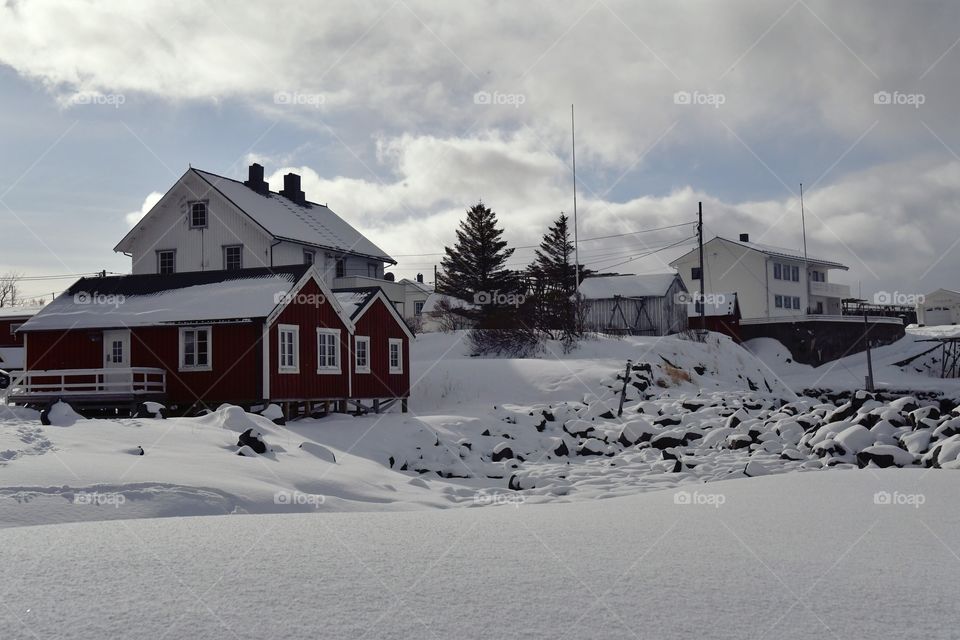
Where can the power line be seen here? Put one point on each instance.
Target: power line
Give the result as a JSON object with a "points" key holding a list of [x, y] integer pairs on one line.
{"points": [[536, 246], [650, 253], [64, 276]]}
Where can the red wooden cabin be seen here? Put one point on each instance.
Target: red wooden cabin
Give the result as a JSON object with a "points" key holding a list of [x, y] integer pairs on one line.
{"points": [[11, 341], [198, 339]]}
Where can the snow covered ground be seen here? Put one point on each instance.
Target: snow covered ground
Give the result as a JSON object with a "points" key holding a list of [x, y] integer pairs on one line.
{"points": [[832, 554]]}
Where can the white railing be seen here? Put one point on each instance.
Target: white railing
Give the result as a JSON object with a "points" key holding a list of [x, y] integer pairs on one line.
{"points": [[829, 289], [816, 317], [88, 382]]}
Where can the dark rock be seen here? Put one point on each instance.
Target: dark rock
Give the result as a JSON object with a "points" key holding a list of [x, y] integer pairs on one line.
{"points": [[700, 369], [249, 440], [561, 449], [504, 453]]}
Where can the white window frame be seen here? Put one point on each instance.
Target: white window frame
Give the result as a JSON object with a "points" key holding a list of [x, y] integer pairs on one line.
{"points": [[195, 367], [777, 271], [340, 268], [398, 342], [162, 251], [226, 248], [206, 214], [778, 301], [418, 307], [294, 330], [365, 340], [309, 256], [324, 370]]}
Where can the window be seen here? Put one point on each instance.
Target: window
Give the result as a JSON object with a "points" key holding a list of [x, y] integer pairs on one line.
{"points": [[796, 303], [195, 349], [371, 269], [198, 215], [694, 273], [233, 257], [341, 267], [362, 354], [819, 307], [396, 355], [289, 345], [417, 307], [116, 352], [328, 350], [167, 261], [795, 274], [309, 257], [14, 327], [777, 271], [778, 302]]}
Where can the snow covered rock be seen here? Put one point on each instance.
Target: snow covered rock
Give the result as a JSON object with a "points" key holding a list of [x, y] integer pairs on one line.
{"points": [[319, 451], [592, 447], [246, 452], [502, 452], [855, 439], [274, 414], [151, 410], [59, 414], [884, 455], [634, 431]]}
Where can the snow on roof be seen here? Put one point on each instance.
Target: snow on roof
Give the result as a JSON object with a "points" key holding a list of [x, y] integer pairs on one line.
{"points": [[313, 223], [938, 332], [715, 304], [146, 300], [627, 286], [793, 254], [19, 312], [434, 299], [353, 300]]}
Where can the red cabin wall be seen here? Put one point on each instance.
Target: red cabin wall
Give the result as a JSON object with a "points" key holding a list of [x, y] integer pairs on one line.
{"points": [[236, 373], [6, 338], [309, 310], [380, 325], [235, 376]]}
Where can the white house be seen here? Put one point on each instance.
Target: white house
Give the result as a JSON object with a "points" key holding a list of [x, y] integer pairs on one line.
{"points": [[939, 308], [207, 222], [408, 296], [770, 282]]}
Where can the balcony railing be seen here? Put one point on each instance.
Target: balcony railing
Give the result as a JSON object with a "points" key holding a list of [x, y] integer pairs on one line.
{"points": [[829, 290], [821, 318], [87, 384]]}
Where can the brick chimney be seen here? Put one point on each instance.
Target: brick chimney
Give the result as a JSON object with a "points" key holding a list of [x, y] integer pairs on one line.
{"points": [[291, 189], [255, 179], [744, 237], [420, 278]]}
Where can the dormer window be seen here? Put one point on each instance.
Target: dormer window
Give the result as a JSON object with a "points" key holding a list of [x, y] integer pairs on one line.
{"points": [[198, 215]]}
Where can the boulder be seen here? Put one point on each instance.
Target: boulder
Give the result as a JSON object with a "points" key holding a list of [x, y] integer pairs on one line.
{"points": [[502, 452], [253, 440]]}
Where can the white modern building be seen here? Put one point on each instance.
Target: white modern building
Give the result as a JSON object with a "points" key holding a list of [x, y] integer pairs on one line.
{"points": [[939, 308], [770, 282]]}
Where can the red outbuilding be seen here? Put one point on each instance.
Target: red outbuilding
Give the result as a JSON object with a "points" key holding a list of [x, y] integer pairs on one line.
{"points": [[11, 341], [194, 340]]}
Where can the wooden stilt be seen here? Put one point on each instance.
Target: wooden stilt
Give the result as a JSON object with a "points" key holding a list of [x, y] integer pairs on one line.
{"points": [[376, 405], [403, 405]]}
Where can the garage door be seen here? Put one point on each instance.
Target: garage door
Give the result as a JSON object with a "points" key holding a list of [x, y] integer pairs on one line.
{"points": [[934, 317]]}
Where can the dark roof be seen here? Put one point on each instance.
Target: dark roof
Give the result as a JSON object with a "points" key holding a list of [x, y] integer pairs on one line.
{"points": [[151, 283]]}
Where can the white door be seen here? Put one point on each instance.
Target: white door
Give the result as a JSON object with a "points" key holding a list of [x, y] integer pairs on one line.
{"points": [[116, 355], [936, 317]]}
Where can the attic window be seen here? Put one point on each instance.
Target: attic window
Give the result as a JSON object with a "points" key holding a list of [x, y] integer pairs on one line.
{"points": [[695, 273], [198, 215], [309, 257], [341, 267]]}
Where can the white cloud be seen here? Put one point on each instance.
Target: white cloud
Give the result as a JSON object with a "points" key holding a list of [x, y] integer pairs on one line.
{"points": [[134, 217]]}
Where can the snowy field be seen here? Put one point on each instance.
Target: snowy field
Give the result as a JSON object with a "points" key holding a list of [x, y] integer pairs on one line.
{"points": [[513, 501], [789, 556]]}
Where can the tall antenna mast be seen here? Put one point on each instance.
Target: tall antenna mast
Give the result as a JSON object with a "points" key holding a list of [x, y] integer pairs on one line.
{"points": [[806, 264], [576, 245]]}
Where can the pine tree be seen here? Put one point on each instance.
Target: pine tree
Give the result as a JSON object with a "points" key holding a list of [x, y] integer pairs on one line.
{"points": [[474, 269], [554, 280]]}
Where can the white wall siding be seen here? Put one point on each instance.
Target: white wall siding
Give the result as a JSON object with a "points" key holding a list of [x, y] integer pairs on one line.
{"points": [[168, 227]]}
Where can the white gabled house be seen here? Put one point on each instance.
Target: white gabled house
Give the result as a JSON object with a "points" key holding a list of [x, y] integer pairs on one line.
{"points": [[206, 222], [770, 282], [940, 307]]}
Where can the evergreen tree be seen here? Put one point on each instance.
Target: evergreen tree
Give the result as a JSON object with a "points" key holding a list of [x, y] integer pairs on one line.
{"points": [[474, 269], [553, 275]]}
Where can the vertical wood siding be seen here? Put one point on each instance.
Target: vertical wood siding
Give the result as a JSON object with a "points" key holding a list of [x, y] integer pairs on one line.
{"points": [[658, 315], [379, 324]]}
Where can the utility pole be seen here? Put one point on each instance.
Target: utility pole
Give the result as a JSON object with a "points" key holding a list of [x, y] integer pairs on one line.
{"points": [[866, 341], [576, 244], [806, 264], [434, 277], [703, 305]]}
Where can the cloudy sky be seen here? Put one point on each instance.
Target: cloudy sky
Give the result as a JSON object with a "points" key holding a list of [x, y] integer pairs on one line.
{"points": [[400, 114]]}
